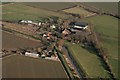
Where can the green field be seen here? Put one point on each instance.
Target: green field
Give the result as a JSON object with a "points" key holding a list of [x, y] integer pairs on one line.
{"points": [[89, 61], [111, 7], [55, 6], [78, 10], [18, 11], [107, 29]]}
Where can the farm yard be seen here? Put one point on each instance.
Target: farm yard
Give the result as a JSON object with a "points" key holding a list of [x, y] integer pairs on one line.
{"points": [[106, 28], [19, 11], [27, 67], [88, 61]]}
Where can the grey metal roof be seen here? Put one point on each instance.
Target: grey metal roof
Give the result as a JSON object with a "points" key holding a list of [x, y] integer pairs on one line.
{"points": [[82, 24]]}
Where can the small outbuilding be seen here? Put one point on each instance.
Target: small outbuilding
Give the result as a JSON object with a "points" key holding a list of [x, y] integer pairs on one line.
{"points": [[66, 32], [52, 26]]}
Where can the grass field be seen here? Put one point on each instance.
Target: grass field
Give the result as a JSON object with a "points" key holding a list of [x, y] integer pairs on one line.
{"points": [[78, 10], [88, 60], [111, 7], [19, 66], [10, 41], [18, 11], [107, 29], [55, 6]]}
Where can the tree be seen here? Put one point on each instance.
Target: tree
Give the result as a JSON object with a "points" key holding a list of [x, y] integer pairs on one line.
{"points": [[54, 19], [60, 21]]}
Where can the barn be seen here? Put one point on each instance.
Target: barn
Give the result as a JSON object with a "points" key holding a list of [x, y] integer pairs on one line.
{"points": [[79, 25]]}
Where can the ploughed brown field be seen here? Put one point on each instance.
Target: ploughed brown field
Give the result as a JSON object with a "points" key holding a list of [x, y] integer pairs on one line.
{"points": [[10, 41], [19, 66]]}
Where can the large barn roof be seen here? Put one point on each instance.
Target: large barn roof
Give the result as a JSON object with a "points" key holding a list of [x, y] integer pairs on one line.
{"points": [[19, 66], [83, 24]]}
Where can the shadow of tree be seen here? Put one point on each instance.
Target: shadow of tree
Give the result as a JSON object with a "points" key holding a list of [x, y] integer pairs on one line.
{"points": [[90, 49], [100, 57]]}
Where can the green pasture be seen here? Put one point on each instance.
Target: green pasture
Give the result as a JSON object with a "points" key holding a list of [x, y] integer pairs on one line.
{"points": [[54, 6], [111, 7], [107, 29], [18, 11], [89, 61], [78, 10]]}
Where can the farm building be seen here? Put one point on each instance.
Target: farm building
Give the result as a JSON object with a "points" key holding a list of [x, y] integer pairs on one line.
{"points": [[79, 25], [19, 66], [30, 22], [26, 21], [66, 32], [31, 54], [52, 26]]}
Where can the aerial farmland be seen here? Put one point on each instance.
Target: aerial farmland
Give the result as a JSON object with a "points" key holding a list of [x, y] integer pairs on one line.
{"points": [[60, 40]]}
